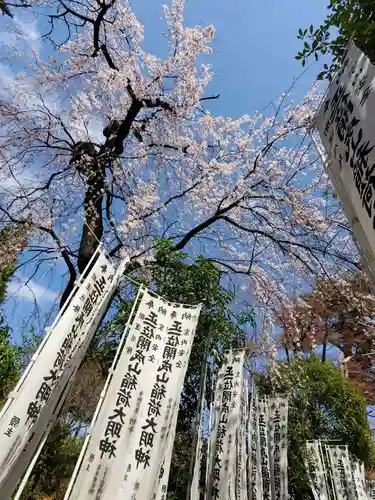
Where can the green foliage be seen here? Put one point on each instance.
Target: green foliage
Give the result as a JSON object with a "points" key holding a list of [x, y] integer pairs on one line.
{"points": [[9, 362], [5, 274], [55, 465], [345, 19], [322, 405], [13, 239]]}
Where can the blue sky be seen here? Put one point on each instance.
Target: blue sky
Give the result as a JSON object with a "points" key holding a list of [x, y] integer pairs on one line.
{"points": [[253, 61], [254, 47]]}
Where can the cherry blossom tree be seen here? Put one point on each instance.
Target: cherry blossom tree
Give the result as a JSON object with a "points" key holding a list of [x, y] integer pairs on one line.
{"points": [[103, 141], [339, 311]]}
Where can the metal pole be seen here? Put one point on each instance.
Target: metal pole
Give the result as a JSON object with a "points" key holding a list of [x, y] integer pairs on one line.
{"points": [[12, 394], [102, 396]]}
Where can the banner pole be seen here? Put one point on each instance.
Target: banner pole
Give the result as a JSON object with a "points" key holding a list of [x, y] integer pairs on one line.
{"points": [[77, 467]]}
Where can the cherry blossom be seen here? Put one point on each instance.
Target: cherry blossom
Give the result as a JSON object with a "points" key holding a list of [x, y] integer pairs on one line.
{"points": [[122, 139]]}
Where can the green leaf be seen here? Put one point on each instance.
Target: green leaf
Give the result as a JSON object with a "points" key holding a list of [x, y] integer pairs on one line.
{"points": [[311, 29], [316, 56], [307, 46], [304, 63], [300, 32], [298, 57]]}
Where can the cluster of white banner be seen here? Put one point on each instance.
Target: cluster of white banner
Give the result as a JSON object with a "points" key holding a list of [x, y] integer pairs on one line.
{"points": [[129, 445], [130, 450], [247, 447], [334, 474]]}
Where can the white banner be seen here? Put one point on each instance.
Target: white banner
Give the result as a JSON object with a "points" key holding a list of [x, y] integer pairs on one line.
{"points": [[130, 436], [370, 488], [345, 123], [358, 474], [255, 483], [264, 450], [223, 482], [353, 492], [212, 469], [350, 474], [241, 439], [341, 478], [278, 445], [315, 470], [161, 487], [24, 422]]}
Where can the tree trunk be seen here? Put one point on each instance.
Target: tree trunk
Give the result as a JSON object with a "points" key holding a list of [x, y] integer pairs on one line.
{"points": [[92, 230]]}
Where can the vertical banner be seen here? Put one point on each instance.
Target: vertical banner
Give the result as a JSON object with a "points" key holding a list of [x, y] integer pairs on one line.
{"points": [[278, 446], [345, 125], [315, 469], [161, 487], [339, 473], [161, 483], [254, 461], [353, 487], [130, 436], [212, 468], [370, 488], [23, 424], [358, 474], [350, 480], [264, 453], [241, 439], [223, 482]]}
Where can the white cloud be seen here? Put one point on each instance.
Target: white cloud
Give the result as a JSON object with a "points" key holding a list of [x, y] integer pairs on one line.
{"points": [[15, 179], [6, 77], [30, 31], [82, 131], [30, 291]]}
